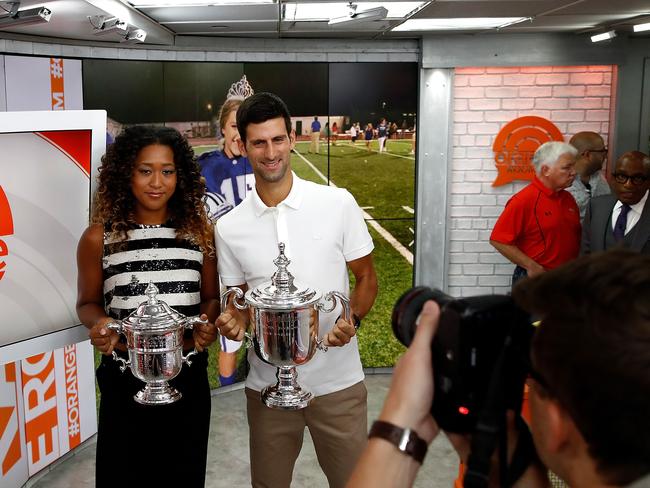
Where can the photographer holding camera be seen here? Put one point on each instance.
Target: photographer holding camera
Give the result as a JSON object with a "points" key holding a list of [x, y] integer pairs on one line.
{"points": [[589, 382]]}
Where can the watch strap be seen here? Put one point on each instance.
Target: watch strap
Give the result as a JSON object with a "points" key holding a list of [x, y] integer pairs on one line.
{"points": [[406, 440]]}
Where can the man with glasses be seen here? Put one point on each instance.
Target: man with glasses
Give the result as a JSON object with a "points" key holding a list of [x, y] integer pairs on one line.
{"points": [[590, 183], [622, 219]]}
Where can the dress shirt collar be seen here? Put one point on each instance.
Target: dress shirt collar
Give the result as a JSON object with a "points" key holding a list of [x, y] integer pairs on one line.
{"points": [[637, 207], [293, 199]]}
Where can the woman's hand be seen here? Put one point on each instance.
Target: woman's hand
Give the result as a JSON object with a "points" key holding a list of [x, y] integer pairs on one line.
{"points": [[204, 334], [103, 338]]}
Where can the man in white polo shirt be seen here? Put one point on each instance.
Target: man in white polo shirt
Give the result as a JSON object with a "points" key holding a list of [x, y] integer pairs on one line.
{"points": [[324, 234]]}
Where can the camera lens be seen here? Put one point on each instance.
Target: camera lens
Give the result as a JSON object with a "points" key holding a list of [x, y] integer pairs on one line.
{"points": [[406, 311]]}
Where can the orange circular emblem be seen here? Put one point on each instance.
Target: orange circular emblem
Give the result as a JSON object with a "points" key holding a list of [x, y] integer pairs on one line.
{"points": [[515, 145]]}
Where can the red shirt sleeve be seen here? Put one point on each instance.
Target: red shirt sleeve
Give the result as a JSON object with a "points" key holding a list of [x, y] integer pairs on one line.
{"points": [[510, 223]]}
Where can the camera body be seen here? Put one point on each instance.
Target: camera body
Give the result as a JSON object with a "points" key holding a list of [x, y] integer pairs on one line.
{"points": [[479, 340]]}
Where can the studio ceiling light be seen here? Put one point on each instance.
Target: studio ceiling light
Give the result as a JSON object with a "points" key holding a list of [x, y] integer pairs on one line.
{"points": [[471, 23], [135, 36], [103, 26], [604, 36], [355, 16], [319, 12], [15, 17], [642, 27], [194, 3]]}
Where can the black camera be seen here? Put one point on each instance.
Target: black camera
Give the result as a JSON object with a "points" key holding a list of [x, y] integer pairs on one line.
{"points": [[480, 354]]}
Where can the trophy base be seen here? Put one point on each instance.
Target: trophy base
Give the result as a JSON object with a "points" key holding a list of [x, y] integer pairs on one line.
{"points": [[283, 399], [157, 394]]}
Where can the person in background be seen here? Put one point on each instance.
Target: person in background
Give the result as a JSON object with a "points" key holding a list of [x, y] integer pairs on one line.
{"points": [[589, 411], [335, 133], [382, 134], [353, 134], [229, 179], [621, 219], [315, 136], [367, 135], [148, 210], [589, 183], [282, 207], [539, 227]]}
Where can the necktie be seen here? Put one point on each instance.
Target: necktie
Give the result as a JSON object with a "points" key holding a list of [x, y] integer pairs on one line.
{"points": [[621, 223]]}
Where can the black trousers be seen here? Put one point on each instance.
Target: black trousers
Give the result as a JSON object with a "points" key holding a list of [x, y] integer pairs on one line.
{"points": [[161, 445]]}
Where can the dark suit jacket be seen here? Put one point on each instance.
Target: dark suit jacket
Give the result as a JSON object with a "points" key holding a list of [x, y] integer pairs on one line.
{"points": [[597, 220]]}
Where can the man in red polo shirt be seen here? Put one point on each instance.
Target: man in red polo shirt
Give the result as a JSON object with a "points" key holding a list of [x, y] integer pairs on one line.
{"points": [[539, 228]]}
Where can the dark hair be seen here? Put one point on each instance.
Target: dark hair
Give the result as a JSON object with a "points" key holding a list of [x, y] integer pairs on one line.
{"points": [[259, 108], [114, 203], [593, 350]]}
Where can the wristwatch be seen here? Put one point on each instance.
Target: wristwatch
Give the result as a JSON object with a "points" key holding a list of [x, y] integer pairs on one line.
{"points": [[356, 321], [405, 440]]}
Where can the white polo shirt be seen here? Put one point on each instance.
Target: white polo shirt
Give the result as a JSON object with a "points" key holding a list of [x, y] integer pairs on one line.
{"points": [[322, 228]]}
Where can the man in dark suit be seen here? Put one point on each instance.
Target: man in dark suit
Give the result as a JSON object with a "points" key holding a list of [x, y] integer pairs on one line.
{"points": [[621, 219]]}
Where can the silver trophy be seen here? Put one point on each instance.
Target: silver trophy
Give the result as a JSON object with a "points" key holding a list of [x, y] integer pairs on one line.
{"points": [[154, 338], [284, 316]]}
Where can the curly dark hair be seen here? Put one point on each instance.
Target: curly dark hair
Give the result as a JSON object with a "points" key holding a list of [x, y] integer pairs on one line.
{"points": [[114, 204]]}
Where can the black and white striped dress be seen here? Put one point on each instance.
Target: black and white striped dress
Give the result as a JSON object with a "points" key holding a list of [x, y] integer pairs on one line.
{"points": [[151, 253]]}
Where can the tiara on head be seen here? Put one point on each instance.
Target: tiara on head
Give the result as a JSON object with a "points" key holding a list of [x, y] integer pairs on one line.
{"points": [[240, 89]]}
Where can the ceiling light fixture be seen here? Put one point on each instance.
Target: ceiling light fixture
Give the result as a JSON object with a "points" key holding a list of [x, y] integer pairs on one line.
{"points": [[642, 27], [194, 3], [34, 15], [470, 23], [135, 36], [604, 36], [323, 12], [354, 17], [103, 26]]}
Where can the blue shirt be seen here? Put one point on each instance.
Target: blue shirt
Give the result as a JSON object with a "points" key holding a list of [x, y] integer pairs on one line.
{"points": [[315, 126], [381, 130], [227, 180]]}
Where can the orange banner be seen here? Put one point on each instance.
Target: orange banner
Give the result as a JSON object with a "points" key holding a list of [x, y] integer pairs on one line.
{"points": [[72, 395], [56, 84], [516, 144], [10, 448]]}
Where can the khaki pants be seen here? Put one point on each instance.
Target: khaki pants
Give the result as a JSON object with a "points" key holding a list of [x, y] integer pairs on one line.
{"points": [[315, 142], [338, 424]]}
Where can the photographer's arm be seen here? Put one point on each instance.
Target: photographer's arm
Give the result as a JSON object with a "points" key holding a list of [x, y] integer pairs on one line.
{"points": [[516, 256], [407, 405]]}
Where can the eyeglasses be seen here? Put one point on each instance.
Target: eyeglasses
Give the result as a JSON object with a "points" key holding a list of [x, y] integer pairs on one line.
{"points": [[622, 178]]}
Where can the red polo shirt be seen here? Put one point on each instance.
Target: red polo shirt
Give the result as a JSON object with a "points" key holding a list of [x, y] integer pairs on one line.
{"points": [[543, 224]]}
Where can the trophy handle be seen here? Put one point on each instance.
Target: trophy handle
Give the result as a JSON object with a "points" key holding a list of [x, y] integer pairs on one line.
{"points": [[125, 364], [238, 295], [331, 297], [115, 325], [186, 359]]}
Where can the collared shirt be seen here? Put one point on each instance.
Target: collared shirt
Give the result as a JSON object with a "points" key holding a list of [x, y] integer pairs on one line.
{"points": [[633, 215], [322, 228], [597, 186], [543, 224]]}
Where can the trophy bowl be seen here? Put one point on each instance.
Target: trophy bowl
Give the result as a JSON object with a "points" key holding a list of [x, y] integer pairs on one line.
{"points": [[154, 339], [284, 318]]}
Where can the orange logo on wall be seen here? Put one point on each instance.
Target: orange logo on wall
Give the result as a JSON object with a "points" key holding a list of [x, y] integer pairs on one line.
{"points": [[515, 145], [6, 229], [57, 85]]}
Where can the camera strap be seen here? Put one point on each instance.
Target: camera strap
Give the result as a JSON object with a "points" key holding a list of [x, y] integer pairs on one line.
{"points": [[490, 431]]}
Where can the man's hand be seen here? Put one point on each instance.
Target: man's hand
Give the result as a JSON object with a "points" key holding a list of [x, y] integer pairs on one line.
{"points": [[535, 269], [204, 334], [103, 338], [342, 333], [231, 324], [408, 404]]}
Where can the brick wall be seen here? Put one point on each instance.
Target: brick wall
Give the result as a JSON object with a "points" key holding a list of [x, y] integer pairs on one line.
{"points": [[574, 98]]}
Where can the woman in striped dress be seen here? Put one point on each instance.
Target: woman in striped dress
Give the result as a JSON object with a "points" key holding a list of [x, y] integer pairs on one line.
{"points": [[149, 224]]}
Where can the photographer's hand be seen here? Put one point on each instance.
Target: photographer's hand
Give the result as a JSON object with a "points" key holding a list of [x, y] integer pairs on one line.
{"points": [[407, 405]]}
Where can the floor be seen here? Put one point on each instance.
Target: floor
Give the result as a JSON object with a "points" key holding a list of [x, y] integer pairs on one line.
{"points": [[229, 447]]}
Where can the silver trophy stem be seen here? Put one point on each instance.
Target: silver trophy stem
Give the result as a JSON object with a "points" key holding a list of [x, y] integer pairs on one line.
{"points": [[286, 394], [157, 393]]}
